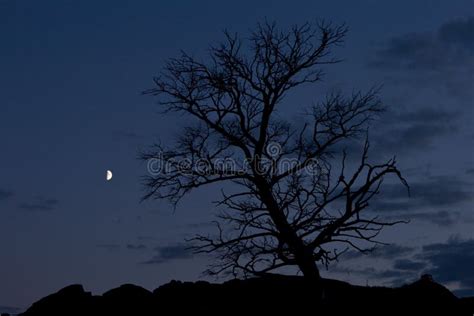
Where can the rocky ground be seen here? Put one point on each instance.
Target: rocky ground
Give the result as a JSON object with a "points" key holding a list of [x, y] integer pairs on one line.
{"points": [[276, 294]]}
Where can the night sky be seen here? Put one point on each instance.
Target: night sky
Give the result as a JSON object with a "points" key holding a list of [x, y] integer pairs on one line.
{"points": [[71, 77]]}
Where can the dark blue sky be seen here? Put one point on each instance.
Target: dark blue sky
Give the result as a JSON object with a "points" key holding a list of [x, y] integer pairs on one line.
{"points": [[71, 73]]}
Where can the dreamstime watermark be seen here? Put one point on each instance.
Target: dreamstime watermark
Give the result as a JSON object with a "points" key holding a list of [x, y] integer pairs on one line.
{"points": [[271, 163]]}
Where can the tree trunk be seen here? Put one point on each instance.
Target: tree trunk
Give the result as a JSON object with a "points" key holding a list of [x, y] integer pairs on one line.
{"points": [[303, 255], [307, 266]]}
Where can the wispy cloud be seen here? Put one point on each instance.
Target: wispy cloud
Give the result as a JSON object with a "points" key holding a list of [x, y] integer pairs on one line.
{"points": [[9, 310], [382, 252], [40, 204], [450, 46], [6, 194], [435, 199], [448, 262], [441, 60], [403, 131], [452, 261], [409, 265], [136, 246], [168, 253]]}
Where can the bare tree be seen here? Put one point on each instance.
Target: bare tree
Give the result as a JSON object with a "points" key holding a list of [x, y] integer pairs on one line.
{"points": [[287, 207]]}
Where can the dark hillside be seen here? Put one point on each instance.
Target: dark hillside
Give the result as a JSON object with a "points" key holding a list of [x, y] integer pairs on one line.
{"points": [[271, 294]]}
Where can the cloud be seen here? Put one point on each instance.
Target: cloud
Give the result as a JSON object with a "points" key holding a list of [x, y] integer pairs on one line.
{"points": [[405, 131], [168, 253], [450, 46], [409, 265], [5, 194], [398, 268], [40, 204], [441, 61], [402, 131], [136, 247], [381, 252], [9, 310], [393, 277], [426, 114], [440, 218], [450, 262], [442, 191], [434, 199]]}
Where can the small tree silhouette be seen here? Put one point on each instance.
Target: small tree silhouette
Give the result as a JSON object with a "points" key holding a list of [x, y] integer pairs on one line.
{"points": [[289, 208]]}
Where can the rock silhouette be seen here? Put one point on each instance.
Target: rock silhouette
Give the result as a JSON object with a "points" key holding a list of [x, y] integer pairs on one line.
{"points": [[275, 294]]}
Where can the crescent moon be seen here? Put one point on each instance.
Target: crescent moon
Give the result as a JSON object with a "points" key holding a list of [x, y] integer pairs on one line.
{"points": [[109, 175]]}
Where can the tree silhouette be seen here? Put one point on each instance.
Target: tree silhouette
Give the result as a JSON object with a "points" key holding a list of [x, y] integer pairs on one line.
{"points": [[288, 207]]}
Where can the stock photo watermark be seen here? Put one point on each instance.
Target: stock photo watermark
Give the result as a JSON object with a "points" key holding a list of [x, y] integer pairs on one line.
{"points": [[270, 163]]}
